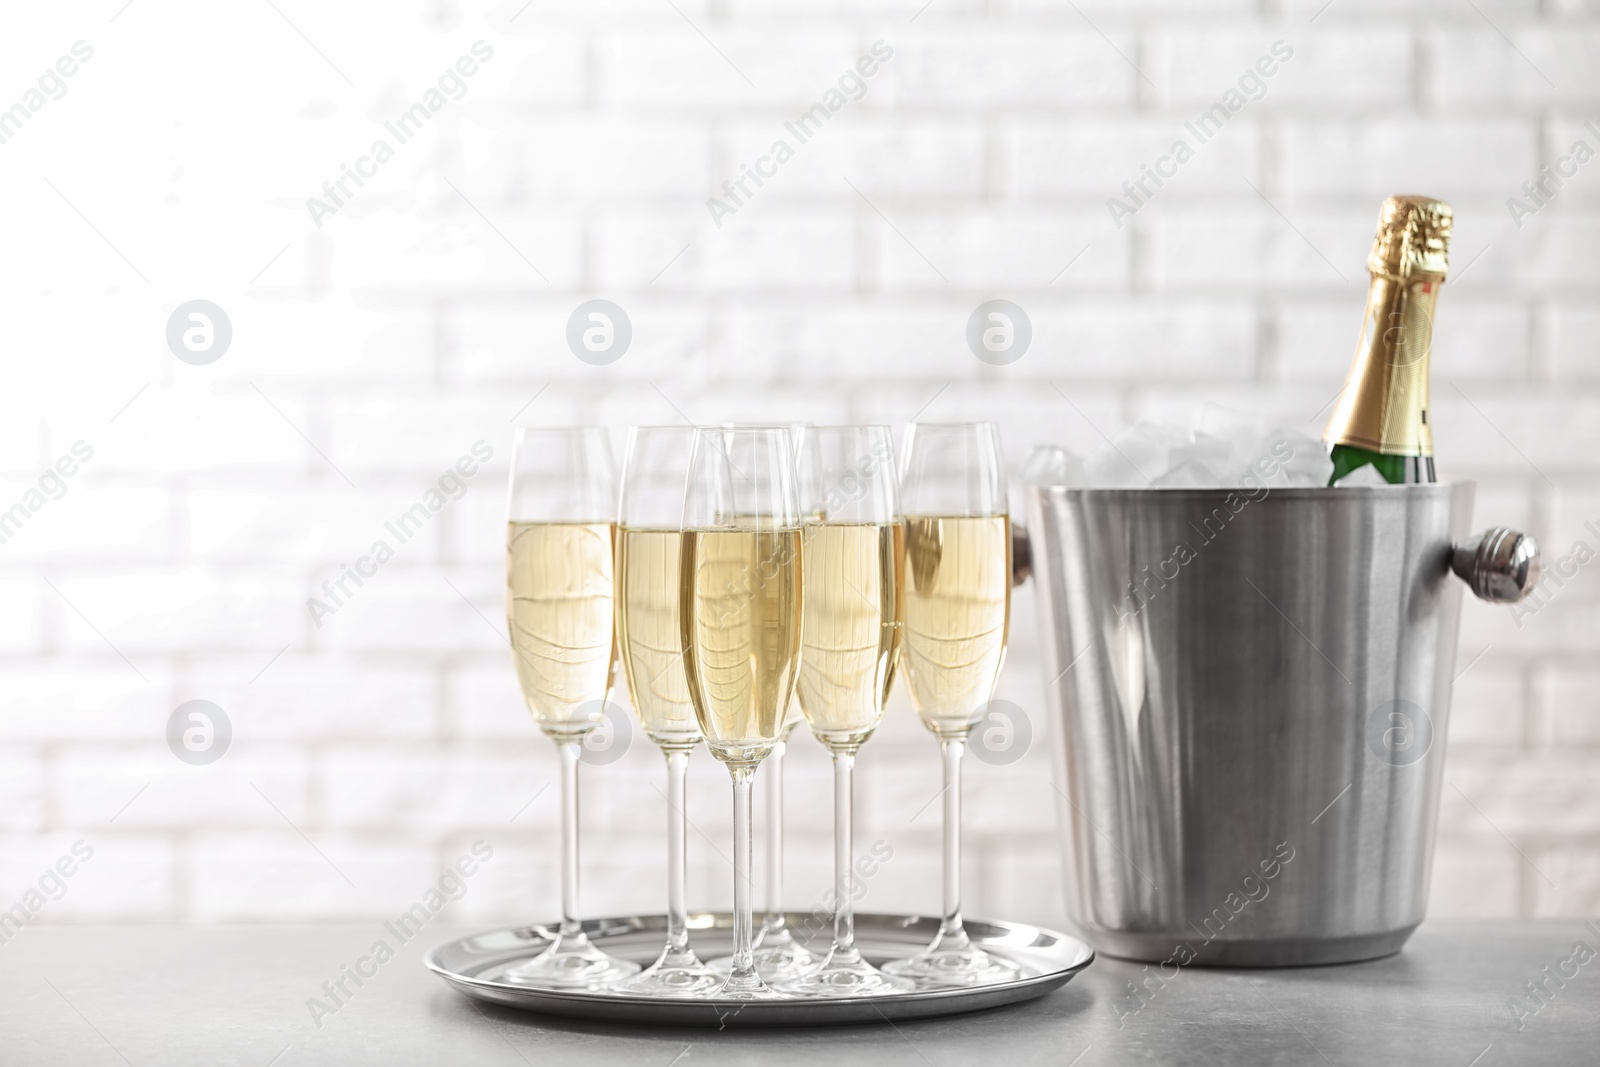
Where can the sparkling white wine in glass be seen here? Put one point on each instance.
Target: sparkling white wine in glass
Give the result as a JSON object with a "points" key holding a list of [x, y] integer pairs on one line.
{"points": [[740, 613], [649, 567], [560, 614], [851, 626], [957, 614], [741, 634], [957, 617], [649, 570]]}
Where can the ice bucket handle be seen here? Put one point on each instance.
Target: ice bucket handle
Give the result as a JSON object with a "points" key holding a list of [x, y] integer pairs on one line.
{"points": [[1500, 565]]}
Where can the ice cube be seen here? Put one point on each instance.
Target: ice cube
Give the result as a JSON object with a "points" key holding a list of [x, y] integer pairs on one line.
{"points": [[1053, 465], [1188, 474], [1363, 476], [1214, 420], [1289, 457], [1136, 457]]}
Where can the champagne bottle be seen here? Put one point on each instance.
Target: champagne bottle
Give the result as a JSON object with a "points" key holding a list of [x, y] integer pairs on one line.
{"points": [[1382, 415]]}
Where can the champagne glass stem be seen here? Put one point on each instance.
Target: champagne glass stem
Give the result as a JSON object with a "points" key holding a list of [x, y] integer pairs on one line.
{"points": [[570, 927], [743, 976], [952, 748], [677, 820], [844, 921], [774, 916]]}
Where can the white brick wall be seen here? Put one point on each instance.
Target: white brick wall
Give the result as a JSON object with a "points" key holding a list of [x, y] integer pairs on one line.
{"points": [[429, 313]]}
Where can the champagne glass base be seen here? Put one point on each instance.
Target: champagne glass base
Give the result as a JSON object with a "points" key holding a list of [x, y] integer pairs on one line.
{"points": [[845, 978], [953, 967], [674, 974], [571, 963], [778, 957]]}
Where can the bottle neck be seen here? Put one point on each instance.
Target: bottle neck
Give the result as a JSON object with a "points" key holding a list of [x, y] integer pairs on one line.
{"points": [[1384, 405]]}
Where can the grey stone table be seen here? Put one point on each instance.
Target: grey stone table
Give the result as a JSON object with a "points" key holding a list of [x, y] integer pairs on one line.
{"points": [[165, 994]]}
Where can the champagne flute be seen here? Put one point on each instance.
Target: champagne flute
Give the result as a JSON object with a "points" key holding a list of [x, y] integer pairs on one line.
{"points": [[649, 537], [854, 550], [740, 622], [559, 609], [957, 612], [779, 957]]}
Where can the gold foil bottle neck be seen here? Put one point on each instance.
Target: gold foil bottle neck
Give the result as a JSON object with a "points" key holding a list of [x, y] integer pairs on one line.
{"points": [[1384, 405], [1413, 238]]}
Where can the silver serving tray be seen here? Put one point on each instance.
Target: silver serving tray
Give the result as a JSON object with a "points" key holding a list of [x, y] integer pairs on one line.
{"points": [[1048, 960]]}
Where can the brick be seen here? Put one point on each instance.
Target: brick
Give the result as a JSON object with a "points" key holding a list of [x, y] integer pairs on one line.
{"points": [[293, 341], [529, 344], [1575, 872], [266, 874], [127, 876], [764, 244], [447, 244], [1449, 158], [300, 699], [1473, 339], [1509, 429], [21, 614], [22, 789], [140, 612], [1010, 65], [483, 701], [1095, 157], [193, 426], [679, 67], [1519, 795], [903, 156], [1261, 249], [1530, 64], [1567, 697], [85, 699], [1475, 877], [427, 434], [516, 158], [1572, 329], [1021, 881], [375, 787], [327, 525], [537, 70], [831, 340], [992, 251], [1333, 65], [92, 787], [418, 612], [74, 524], [1555, 253], [1487, 705]]}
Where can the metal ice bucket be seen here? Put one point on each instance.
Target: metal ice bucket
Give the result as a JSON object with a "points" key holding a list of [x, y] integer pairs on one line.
{"points": [[1251, 694]]}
